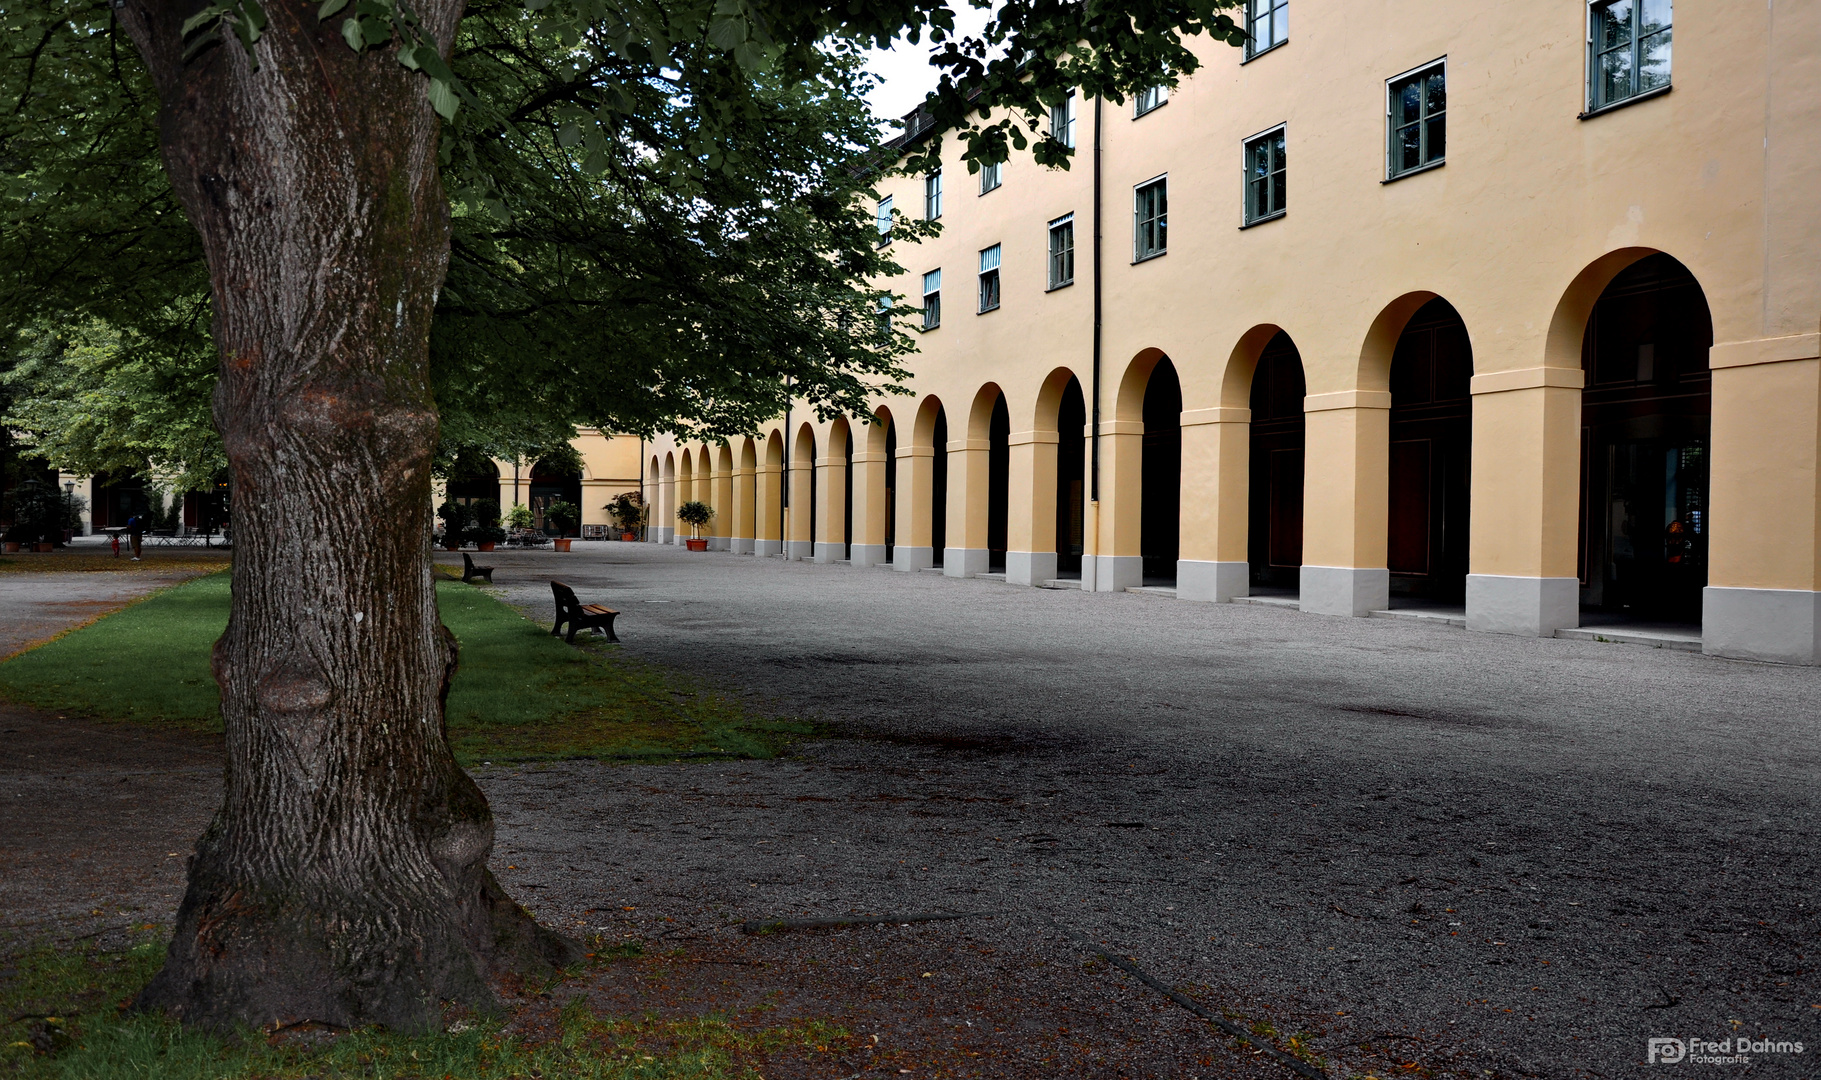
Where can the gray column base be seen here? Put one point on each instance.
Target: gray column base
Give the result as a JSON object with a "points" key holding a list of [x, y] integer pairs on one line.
{"points": [[905, 557], [1030, 567], [1217, 581], [965, 562], [742, 545], [765, 549], [830, 553], [658, 534], [1345, 590], [1116, 573], [1782, 626], [867, 555], [798, 550], [1526, 606], [720, 543]]}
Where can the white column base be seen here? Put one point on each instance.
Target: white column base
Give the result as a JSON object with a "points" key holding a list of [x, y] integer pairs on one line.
{"points": [[798, 550], [1030, 567], [965, 562], [1345, 590], [1219, 582], [867, 555], [741, 545], [1526, 606], [830, 553], [765, 549], [1116, 573], [905, 557], [1782, 626]]}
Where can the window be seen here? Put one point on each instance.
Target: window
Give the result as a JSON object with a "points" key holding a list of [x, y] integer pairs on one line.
{"points": [[989, 278], [989, 177], [885, 316], [1628, 50], [1418, 120], [1062, 251], [932, 196], [1264, 165], [1149, 99], [1062, 121], [1267, 25], [1149, 229], [885, 221], [932, 299]]}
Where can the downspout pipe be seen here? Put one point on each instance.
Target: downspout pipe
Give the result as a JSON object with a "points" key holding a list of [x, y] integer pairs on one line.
{"points": [[1094, 479]]}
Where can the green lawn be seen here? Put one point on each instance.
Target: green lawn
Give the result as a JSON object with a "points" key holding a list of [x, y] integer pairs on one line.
{"points": [[519, 694], [68, 999]]}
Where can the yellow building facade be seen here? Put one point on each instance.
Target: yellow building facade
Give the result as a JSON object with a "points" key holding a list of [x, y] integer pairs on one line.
{"points": [[1506, 309]]}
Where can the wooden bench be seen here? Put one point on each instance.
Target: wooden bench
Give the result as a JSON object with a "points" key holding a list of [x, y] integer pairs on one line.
{"points": [[580, 616], [471, 571]]}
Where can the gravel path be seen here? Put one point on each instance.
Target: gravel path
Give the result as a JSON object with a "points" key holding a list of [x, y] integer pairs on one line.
{"points": [[1528, 856]]}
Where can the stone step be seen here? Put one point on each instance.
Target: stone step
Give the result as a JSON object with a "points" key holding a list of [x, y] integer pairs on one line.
{"points": [[1291, 602], [1153, 590], [1656, 639], [1439, 618]]}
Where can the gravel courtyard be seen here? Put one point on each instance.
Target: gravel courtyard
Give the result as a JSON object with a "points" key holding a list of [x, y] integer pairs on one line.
{"points": [[1524, 856]]}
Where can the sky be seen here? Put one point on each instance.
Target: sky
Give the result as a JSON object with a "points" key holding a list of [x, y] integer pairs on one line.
{"points": [[905, 67]]}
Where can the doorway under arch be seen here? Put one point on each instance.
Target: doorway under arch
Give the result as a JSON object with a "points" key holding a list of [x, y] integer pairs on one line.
{"points": [[998, 483], [1275, 514], [891, 485], [1645, 422], [1431, 452], [938, 511], [1159, 531], [1071, 477]]}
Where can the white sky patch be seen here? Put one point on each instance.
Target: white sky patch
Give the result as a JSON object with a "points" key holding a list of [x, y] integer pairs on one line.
{"points": [[904, 68]]}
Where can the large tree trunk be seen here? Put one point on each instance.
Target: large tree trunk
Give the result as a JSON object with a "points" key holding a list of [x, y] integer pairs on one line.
{"points": [[344, 879]]}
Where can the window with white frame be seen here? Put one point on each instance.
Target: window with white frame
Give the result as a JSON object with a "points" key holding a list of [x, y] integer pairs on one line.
{"points": [[885, 221], [1149, 99], [1265, 175], [1628, 46], [1062, 121], [884, 318], [990, 176], [989, 278], [1062, 251], [1267, 25], [1150, 219], [932, 299], [932, 196], [1417, 119]]}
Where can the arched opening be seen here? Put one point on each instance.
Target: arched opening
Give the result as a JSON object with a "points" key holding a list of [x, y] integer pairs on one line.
{"points": [[1431, 447], [472, 478], [1161, 464], [1644, 445], [803, 495], [846, 434], [998, 483], [1275, 517], [1071, 475], [891, 484], [554, 480], [938, 511]]}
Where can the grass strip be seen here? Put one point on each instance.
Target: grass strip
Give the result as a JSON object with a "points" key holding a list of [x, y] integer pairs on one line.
{"points": [[61, 1011], [518, 695]]}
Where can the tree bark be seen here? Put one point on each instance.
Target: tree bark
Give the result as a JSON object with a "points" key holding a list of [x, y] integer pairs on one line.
{"points": [[344, 879]]}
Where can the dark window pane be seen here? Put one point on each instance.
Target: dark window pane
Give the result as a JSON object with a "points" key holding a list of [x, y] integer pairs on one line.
{"points": [[1654, 71], [1438, 139], [1615, 76], [1438, 94], [1612, 24], [1410, 150], [1283, 200], [1410, 101], [1277, 154]]}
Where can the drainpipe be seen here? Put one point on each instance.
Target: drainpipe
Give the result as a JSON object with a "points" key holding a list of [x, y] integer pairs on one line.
{"points": [[784, 484], [1090, 575]]}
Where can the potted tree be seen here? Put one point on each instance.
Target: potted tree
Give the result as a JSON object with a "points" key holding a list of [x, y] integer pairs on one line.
{"points": [[628, 509], [454, 517], [565, 516], [696, 514], [486, 531]]}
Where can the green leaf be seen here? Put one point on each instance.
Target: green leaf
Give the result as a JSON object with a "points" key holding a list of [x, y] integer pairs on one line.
{"points": [[568, 135], [350, 33], [443, 99], [207, 15], [374, 32], [329, 8], [727, 34], [254, 17]]}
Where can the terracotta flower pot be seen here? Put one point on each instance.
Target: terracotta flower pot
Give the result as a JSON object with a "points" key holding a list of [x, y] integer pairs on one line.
{"points": [[562, 542], [12, 547], [484, 545], [697, 543], [46, 547], [629, 535], [452, 547]]}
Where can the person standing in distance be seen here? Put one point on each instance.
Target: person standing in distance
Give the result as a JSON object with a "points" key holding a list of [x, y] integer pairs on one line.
{"points": [[135, 531]]}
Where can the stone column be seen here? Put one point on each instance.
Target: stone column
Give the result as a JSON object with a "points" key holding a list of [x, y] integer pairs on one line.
{"points": [[768, 506], [1346, 496], [1526, 502], [1118, 563], [831, 507], [802, 475], [969, 464], [1030, 519], [1763, 596], [724, 519], [745, 498], [916, 479], [1216, 453], [869, 507]]}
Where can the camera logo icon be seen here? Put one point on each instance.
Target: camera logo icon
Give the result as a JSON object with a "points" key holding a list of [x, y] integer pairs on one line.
{"points": [[1666, 1051]]}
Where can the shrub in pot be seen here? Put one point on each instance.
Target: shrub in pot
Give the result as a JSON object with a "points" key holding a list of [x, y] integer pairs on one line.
{"points": [[696, 514], [485, 531], [565, 516], [627, 508], [455, 518]]}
